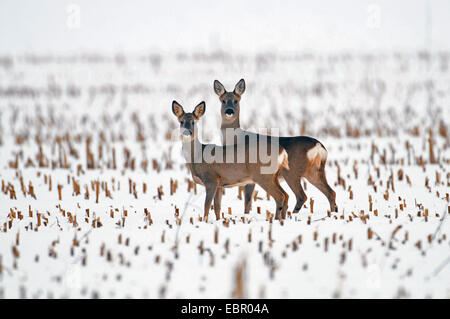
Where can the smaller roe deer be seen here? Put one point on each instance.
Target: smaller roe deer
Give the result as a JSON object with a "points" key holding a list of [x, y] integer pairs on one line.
{"points": [[218, 171]]}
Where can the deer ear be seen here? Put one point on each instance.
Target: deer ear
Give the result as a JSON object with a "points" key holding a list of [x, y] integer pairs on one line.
{"points": [[240, 87], [177, 109], [219, 88], [199, 110]]}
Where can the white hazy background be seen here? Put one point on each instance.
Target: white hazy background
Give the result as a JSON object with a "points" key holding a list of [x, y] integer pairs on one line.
{"points": [[58, 26]]}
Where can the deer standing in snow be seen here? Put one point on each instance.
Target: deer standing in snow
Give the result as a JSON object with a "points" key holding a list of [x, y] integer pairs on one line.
{"points": [[307, 156], [225, 166]]}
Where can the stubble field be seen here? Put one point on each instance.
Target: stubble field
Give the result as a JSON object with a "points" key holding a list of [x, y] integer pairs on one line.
{"points": [[96, 200]]}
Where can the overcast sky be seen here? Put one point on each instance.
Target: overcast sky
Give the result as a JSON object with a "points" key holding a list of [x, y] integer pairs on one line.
{"points": [[56, 26]]}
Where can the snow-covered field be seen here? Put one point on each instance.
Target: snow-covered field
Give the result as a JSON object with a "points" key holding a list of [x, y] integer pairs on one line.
{"points": [[96, 200]]}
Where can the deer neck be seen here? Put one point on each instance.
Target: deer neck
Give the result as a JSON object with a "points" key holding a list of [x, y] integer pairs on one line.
{"points": [[230, 124], [192, 150], [227, 125]]}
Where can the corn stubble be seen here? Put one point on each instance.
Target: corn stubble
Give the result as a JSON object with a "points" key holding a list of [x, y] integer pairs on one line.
{"points": [[107, 191]]}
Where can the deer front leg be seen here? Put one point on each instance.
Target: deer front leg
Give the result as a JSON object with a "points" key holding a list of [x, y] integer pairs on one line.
{"points": [[211, 189], [271, 185], [218, 202], [248, 193]]}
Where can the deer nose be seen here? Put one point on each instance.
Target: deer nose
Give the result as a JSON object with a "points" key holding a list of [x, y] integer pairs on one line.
{"points": [[186, 132], [229, 112]]}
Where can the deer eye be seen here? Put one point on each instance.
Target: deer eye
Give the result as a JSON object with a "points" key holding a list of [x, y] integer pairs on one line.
{"points": [[235, 101], [182, 122], [223, 101]]}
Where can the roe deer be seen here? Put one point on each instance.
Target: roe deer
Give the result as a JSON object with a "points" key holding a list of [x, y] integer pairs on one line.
{"points": [[307, 156], [219, 171]]}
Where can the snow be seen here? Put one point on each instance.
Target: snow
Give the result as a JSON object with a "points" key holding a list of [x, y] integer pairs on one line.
{"points": [[352, 103]]}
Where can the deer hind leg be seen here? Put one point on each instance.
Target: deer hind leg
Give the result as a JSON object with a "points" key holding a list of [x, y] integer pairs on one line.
{"points": [[271, 185], [248, 193], [218, 202], [316, 176], [294, 182], [211, 190]]}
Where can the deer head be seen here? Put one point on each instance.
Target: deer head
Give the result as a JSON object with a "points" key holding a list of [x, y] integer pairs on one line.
{"points": [[230, 100], [188, 130]]}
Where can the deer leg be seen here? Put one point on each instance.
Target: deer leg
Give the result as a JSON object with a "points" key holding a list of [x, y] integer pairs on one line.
{"points": [[271, 185], [285, 200], [248, 193], [317, 178], [218, 202], [210, 193], [294, 182]]}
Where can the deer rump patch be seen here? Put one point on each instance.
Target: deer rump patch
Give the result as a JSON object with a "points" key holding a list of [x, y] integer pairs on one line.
{"points": [[316, 155]]}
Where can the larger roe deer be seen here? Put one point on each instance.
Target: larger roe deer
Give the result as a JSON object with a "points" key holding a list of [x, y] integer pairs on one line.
{"points": [[217, 173], [307, 156]]}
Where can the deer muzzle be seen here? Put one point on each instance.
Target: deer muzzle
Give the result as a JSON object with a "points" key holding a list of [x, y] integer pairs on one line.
{"points": [[229, 112]]}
